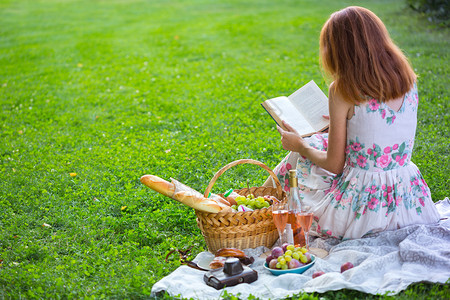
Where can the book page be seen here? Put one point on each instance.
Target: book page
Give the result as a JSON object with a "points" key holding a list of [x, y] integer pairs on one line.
{"points": [[313, 104], [286, 111]]}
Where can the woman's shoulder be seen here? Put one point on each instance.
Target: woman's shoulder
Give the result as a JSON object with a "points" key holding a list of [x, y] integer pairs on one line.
{"points": [[337, 97], [338, 103]]}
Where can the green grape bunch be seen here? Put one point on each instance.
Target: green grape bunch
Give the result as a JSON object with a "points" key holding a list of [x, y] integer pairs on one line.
{"points": [[252, 202]]}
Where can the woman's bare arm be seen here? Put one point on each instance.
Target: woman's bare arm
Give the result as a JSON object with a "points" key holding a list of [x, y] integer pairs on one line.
{"points": [[333, 159]]}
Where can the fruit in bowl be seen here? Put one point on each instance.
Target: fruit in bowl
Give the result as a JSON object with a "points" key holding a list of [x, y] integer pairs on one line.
{"points": [[277, 252], [292, 257], [291, 260]]}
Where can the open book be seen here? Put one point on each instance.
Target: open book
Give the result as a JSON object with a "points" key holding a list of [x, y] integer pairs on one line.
{"points": [[303, 110]]}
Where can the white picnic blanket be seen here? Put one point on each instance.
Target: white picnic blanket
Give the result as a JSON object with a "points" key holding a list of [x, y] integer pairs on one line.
{"points": [[386, 262]]}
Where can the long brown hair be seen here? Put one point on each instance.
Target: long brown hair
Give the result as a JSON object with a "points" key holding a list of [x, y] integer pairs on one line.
{"points": [[358, 54]]}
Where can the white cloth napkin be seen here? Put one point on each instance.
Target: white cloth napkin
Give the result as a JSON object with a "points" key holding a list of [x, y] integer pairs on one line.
{"points": [[386, 262]]}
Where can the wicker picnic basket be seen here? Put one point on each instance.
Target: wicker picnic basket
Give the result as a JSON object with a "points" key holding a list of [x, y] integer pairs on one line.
{"points": [[241, 230]]}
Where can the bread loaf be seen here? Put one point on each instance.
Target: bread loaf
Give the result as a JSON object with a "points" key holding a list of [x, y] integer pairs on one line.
{"points": [[158, 184], [225, 207], [184, 194], [196, 200], [230, 252], [219, 199]]}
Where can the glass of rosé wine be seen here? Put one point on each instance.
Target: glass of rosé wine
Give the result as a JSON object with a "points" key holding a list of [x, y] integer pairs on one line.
{"points": [[304, 219], [280, 217]]}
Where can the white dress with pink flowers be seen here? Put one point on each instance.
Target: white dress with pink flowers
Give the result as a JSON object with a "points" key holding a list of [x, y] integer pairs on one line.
{"points": [[380, 187]]}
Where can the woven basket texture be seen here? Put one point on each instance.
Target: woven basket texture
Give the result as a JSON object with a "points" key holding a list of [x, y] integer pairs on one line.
{"points": [[241, 230]]}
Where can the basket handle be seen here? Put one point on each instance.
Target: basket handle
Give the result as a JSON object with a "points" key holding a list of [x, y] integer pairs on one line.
{"points": [[244, 161]]}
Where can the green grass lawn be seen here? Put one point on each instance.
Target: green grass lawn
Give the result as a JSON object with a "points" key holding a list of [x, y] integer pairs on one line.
{"points": [[112, 90]]}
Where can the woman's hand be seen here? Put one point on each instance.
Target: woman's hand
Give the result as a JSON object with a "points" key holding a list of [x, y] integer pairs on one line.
{"points": [[290, 139]]}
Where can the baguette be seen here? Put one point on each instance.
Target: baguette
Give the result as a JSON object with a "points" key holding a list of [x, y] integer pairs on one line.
{"points": [[198, 203], [158, 184], [219, 199], [184, 194], [196, 200]]}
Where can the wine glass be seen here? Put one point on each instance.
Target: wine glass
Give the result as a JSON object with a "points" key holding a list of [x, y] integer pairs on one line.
{"points": [[305, 219], [280, 217]]}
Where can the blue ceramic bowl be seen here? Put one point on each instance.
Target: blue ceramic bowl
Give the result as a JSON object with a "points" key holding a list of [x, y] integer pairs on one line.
{"points": [[299, 270]]}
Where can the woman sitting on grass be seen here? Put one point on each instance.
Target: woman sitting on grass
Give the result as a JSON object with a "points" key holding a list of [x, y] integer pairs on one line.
{"points": [[358, 178]]}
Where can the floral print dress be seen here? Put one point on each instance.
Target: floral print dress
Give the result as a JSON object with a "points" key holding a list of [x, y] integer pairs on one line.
{"points": [[380, 187]]}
